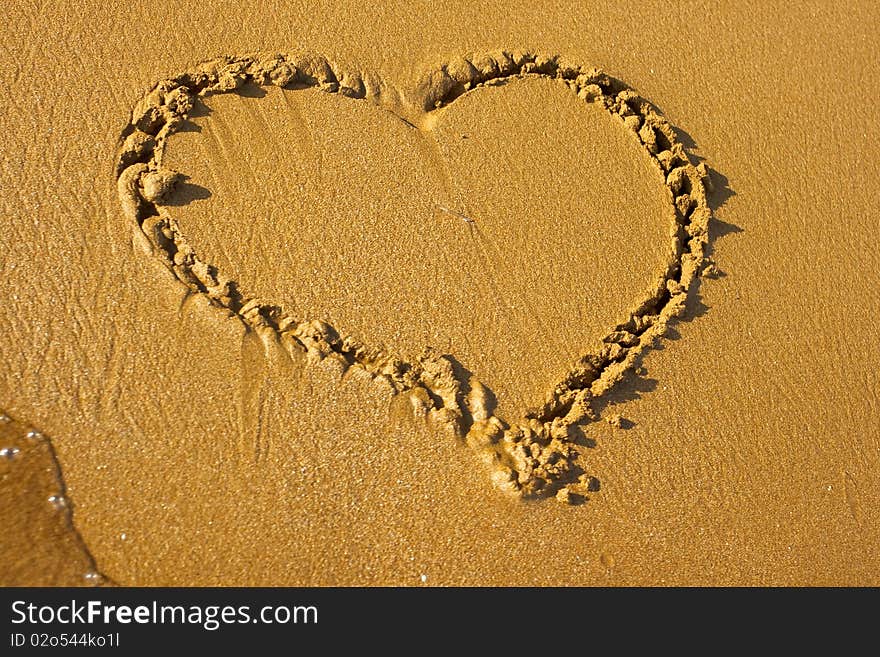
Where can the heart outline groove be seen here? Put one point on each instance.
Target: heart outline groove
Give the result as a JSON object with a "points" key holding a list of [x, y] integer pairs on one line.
{"points": [[535, 458]]}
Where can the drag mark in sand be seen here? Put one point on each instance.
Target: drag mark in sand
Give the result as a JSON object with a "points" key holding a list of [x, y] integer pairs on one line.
{"points": [[851, 492], [536, 457], [465, 219]]}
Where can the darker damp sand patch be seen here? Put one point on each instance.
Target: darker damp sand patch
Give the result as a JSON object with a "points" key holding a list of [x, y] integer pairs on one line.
{"points": [[41, 545], [535, 458]]}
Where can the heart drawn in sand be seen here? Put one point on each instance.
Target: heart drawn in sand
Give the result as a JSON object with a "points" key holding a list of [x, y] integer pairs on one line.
{"points": [[536, 457]]}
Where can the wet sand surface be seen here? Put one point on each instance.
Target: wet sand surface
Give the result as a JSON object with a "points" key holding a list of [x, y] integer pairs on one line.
{"points": [[509, 229]]}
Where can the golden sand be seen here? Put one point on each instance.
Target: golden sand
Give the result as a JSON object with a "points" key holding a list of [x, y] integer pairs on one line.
{"points": [[312, 298]]}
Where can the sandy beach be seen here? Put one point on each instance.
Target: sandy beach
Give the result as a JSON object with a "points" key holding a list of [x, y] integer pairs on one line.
{"points": [[440, 295]]}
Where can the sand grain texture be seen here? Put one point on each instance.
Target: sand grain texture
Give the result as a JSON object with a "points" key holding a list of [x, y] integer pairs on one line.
{"points": [[748, 450]]}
